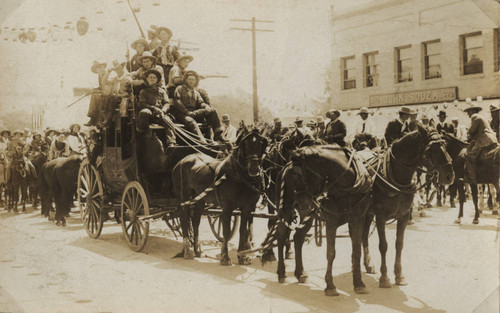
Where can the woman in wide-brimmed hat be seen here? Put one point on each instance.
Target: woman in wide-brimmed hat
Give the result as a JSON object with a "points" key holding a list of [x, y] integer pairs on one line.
{"points": [[5, 132], [75, 141], [140, 45]]}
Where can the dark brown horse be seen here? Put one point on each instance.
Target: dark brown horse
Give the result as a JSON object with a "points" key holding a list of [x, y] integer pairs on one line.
{"points": [[21, 173], [235, 183], [393, 190], [343, 184], [488, 173]]}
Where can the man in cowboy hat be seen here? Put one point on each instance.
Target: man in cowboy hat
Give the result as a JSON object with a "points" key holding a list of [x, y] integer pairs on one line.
{"points": [[59, 148], [365, 126], [335, 131], [99, 95], [140, 45], [320, 127], [165, 53], [50, 134], [306, 131], [442, 126], [152, 106], [277, 131], [424, 119], [189, 108], [147, 61], [495, 120], [75, 141], [481, 140], [176, 75], [229, 133], [398, 127]]}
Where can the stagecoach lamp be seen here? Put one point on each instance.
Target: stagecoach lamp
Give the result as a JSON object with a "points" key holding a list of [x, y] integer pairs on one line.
{"points": [[468, 100], [455, 103], [479, 98]]}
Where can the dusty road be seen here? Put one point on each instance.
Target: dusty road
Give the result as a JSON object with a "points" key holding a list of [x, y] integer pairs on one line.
{"points": [[45, 268]]}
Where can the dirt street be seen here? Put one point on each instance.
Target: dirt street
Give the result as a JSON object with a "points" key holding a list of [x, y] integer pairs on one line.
{"points": [[46, 268]]}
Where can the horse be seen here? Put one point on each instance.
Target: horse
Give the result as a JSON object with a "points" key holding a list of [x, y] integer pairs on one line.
{"points": [[233, 183], [37, 161], [393, 189], [3, 178], [58, 181], [343, 184], [485, 175], [21, 172]]}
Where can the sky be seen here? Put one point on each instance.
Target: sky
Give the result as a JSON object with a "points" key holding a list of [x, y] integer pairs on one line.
{"points": [[291, 60]]}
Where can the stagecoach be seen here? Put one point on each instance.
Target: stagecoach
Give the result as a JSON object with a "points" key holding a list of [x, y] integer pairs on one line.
{"points": [[131, 174]]}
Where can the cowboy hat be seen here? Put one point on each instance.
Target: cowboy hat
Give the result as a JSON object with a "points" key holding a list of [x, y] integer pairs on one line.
{"points": [[413, 112], [331, 112], [160, 29], [225, 118], [5, 131], [189, 73], [49, 130], [74, 124], [153, 71], [96, 65], [146, 55], [494, 108], [141, 41], [190, 58], [298, 120], [363, 110], [319, 119], [117, 64], [61, 138], [64, 131], [405, 110], [37, 133], [424, 117], [442, 113], [311, 123], [473, 106], [17, 131]]}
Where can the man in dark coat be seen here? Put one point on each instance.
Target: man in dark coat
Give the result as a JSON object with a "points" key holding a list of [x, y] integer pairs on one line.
{"points": [[189, 108], [335, 131], [398, 127], [442, 126]]}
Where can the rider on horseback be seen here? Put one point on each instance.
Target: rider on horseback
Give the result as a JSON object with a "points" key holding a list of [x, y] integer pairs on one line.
{"points": [[481, 138]]}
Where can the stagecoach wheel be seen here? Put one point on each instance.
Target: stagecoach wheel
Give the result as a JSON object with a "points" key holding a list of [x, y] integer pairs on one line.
{"points": [[215, 222], [90, 198], [318, 231], [134, 207]]}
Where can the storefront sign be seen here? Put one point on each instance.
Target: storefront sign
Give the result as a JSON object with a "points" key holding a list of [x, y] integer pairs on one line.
{"points": [[414, 97]]}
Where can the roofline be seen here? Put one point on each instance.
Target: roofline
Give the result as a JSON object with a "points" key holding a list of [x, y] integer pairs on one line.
{"points": [[372, 6]]}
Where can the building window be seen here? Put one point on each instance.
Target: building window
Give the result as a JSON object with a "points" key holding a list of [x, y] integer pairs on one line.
{"points": [[472, 53], [371, 72], [432, 59], [348, 75], [404, 70], [496, 46]]}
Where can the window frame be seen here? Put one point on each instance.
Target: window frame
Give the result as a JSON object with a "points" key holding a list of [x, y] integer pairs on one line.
{"points": [[464, 55], [398, 60], [366, 66], [425, 59], [343, 69]]}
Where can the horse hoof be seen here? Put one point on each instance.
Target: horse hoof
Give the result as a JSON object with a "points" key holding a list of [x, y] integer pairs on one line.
{"points": [[64, 223], [244, 261], [188, 254], [458, 221], [225, 262], [58, 223], [384, 283], [371, 270], [302, 279], [452, 204], [401, 281], [361, 290], [281, 280], [331, 292], [475, 221]]}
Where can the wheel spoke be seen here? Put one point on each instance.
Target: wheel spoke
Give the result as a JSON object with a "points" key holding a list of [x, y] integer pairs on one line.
{"points": [[128, 227], [83, 193], [219, 225], [131, 238], [85, 183], [98, 194]]}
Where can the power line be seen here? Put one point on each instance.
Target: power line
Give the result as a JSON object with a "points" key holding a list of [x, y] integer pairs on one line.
{"points": [[254, 58]]}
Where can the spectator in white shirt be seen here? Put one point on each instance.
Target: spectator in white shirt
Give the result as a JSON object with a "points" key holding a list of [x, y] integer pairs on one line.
{"points": [[229, 133], [365, 126], [460, 130], [75, 141]]}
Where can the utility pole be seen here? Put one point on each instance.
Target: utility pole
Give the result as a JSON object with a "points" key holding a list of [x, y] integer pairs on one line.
{"points": [[254, 60]]}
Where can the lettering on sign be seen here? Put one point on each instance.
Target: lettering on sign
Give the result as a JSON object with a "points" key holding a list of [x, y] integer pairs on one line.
{"points": [[414, 97]]}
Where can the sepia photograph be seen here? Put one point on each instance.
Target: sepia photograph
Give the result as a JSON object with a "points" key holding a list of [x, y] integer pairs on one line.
{"points": [[250, 156]]}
